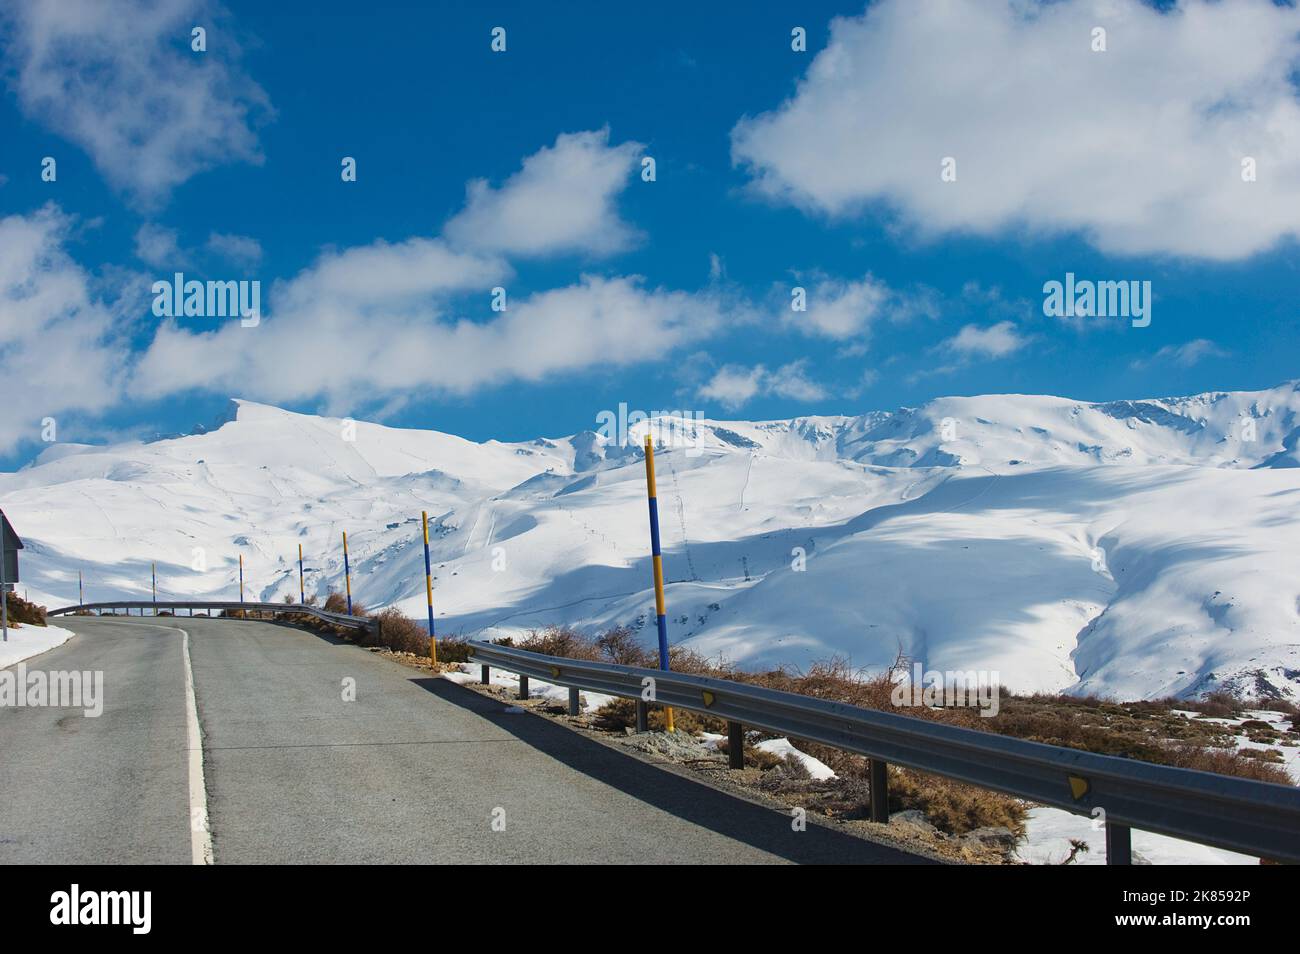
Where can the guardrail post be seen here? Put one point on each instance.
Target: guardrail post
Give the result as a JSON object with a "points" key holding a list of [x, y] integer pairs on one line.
{"points": [[878, 783], [642, 716], [1119, 844], [484, 675], [1256, 818], [735, 745], [575, 705], [523, 687]]}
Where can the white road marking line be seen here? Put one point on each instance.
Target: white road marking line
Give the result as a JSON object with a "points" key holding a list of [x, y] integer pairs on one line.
{"points": [[201, 839], [200, 832]]}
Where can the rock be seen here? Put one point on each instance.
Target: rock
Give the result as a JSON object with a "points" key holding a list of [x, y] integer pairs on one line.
{"points": [[912, 817], [674, 745], [1002, 839]]}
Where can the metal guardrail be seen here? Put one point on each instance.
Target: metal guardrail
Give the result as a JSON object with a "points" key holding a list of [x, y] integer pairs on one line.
{"points": [[1255, 818], [337, 619]]}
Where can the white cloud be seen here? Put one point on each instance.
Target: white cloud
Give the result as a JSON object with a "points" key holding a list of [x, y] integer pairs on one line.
{"points": [[995, 341], [373, 323], [60, 347], [384, 275], [1184, 355], [238, 249], [376, 323], [841, 310], [734, 385], [847, 311], [1192, 352], [1138, 148], [117, 78], [159, 246], [717, 268], [321, 325], [561, 200], [792, 381]]}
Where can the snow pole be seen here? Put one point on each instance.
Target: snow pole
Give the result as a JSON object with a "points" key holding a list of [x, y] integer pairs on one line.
{"points": [[302, 586], [656, 558], [81, 592], [153, 578], [428, 589], [241, 578], [347, 572]]}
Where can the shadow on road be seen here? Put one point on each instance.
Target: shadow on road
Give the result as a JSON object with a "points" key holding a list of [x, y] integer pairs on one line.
{"points": [[692, 801]]}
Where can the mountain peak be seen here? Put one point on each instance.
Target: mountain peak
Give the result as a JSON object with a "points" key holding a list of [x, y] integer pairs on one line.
{"points": [[1062, 543]]}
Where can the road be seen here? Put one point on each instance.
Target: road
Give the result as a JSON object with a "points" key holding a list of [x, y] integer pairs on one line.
{"points": [[414, 769]]}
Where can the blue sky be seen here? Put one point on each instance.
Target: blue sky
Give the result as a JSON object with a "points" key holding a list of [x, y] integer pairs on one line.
{"points": [[774, 169]]}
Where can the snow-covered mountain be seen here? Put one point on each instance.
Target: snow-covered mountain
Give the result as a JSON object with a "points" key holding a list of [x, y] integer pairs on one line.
{"points": [[1132, 548]]}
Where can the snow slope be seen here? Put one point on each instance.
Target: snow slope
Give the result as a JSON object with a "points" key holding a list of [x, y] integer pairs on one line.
{"points": [[27, 641], [1132, 548]]}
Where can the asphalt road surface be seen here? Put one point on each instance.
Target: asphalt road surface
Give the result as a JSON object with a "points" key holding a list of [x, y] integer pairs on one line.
{"points": [[414, 769]]}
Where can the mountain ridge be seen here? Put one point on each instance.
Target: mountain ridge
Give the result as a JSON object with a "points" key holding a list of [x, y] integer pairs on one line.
{"points": [[1129, 548]]}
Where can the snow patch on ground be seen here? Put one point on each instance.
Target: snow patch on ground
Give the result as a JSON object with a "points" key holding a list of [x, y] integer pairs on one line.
{"points": [[28, 641], [1049, 831], [819, 770], [1281, 723], [469, 673]]}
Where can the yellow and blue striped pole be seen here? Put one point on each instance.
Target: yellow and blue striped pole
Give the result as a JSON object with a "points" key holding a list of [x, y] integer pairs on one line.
{"points": [[302, 586], [428, 589], [241, 578], [153, 583], [661, 618], [347, 571]]}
